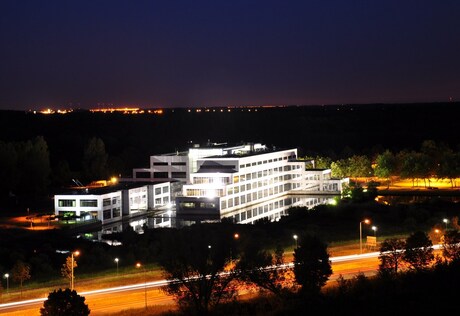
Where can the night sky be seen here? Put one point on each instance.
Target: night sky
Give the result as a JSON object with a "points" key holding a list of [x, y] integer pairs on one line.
{"points": [[173, 53]]}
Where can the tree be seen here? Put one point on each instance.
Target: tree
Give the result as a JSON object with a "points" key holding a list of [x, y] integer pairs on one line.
{"points": [[95, 160], [64, 303], [66, 269], [451, 245], [196, 257], [21, 273], [340, 168], [8, 168], [312, 267], [260, 267], [418, 251], [359, 166], [391, 255], [449, 167], [385, 166]]}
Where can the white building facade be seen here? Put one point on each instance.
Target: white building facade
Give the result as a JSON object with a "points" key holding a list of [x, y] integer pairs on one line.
{"points": [[111, 203], [224, 184]]}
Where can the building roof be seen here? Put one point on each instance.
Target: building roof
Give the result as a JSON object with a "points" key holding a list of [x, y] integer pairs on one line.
{"points": [[108, 189], [251, 153]]}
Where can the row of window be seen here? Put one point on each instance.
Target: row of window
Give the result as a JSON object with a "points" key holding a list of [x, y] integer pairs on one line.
{"points": [[264, 173], [73, 203], [211, 180], [267, 161], [261, 183], [158, 201], [196, 205], [263, 209], [108, 201], [165, 163], [111, 213], [205, 192], [158, 191], [254, 196], [175, 175]]}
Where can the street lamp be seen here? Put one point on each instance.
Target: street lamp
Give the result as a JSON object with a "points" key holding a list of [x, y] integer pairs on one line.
{"points": [[116, 261], [374, 228], [138, 265], [295, 238], [366, 221], [445, 220], [436, 233], [7, 282], [75, 253]]}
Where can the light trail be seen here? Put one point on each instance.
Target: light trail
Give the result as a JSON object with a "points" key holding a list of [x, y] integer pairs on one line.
{"points": [[159, 283]]}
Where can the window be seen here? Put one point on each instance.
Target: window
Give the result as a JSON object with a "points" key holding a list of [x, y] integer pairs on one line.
{"points": [[67, 203], [165, 189], [106, 202], [116, 212], [160, 175], [157, 191], [157, 201], [160, 163], [165, 200], [223, 204], [114, 200], [107, 214], [177, 163], [88, 203], [179, 175]]}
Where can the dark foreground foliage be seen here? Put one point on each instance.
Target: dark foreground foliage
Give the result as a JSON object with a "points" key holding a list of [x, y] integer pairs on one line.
{"points": [[411, 293]]}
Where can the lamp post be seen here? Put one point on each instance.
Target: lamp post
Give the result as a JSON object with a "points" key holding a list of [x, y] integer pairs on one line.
{"points": [[75, 253], [436, 232], [374, 228], [138, 265], [7, 276], [116, 261], [445, 220], [295, 238], [366, 221]]}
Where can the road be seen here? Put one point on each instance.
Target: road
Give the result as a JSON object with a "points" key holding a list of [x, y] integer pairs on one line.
{"points": [[111, 300]]}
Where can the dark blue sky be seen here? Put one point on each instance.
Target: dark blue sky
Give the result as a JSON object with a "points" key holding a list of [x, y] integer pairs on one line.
{"points": [[217, 53]]}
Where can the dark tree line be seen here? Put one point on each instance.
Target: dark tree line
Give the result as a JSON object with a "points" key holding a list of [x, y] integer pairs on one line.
{"points": [[432, 160], [27, 172]]}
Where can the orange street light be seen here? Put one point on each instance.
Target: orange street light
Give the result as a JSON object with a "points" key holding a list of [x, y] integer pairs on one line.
{"points": [[366, 221], [138, 265], [76, 254]]}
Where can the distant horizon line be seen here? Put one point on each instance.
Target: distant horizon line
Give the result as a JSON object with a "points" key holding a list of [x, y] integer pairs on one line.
{"points": [[119, 108]]}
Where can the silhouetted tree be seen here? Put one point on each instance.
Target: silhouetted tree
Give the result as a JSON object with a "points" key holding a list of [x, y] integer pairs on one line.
{"points": [[64, 303], [95, 160], [391, 255], [418, 251], [35, 171], [312, 267], [195, 257], [260, 267], [451, 245], [21, 273]]}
